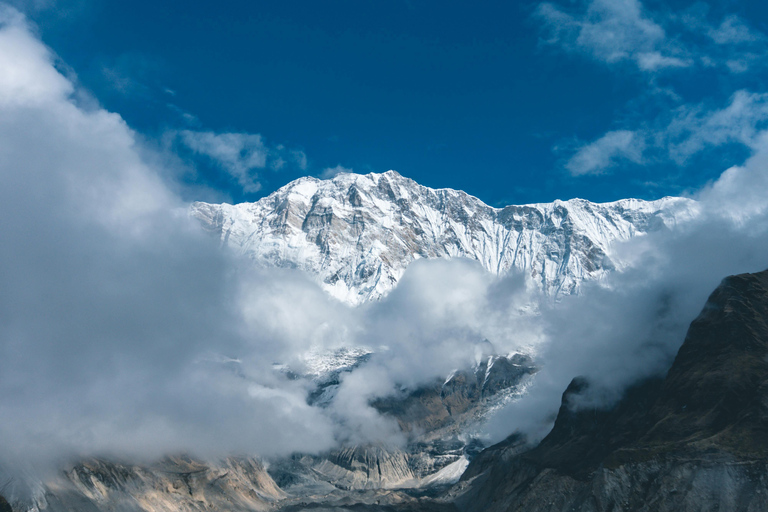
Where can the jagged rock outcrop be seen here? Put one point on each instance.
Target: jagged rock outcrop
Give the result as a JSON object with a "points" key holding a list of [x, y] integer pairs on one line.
{"points": [[358, 233], [694, 440]]}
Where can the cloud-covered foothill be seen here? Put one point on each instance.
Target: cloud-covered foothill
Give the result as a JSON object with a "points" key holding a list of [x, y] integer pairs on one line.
{"points": [[629, 326]]}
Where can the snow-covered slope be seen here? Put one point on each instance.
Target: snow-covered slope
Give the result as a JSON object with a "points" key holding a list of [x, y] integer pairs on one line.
{"points": [[358, 233]]}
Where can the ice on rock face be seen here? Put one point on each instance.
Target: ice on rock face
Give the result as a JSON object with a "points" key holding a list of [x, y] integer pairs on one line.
{"points": [[358, 233]]}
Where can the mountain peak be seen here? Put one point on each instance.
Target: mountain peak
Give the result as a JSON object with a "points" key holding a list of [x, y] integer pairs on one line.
{"points": [[358, 233]]}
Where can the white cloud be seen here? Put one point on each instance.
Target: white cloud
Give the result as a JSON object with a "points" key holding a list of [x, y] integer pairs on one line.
{"points": [[608, 151], [242, 155], [28, 76], [652, 61], [692, 129], [629, 326], [113, 302], [695, 129], [330, 172], [733, 30], [625, 31], [740, 193], [611, 31]]}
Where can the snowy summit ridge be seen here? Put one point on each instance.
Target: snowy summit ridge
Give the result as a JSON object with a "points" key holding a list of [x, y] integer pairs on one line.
{"points": [[358, 233]]}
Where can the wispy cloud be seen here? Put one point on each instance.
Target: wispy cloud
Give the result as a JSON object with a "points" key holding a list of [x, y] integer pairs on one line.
{"points": [[611, 31], [694, 129], [685, 132], [606, 152], [733, 30], [624, 31], [330, 172], [242, 155]]}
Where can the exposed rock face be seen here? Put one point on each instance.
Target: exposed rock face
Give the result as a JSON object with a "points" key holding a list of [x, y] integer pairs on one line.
{"points": [[357, 233], [172, 484], [349, 469], [695, 440], [445, 407], [434, 417]]}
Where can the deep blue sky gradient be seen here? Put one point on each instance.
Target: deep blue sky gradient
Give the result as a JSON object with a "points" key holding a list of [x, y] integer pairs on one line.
{"points": [[450, 93]]}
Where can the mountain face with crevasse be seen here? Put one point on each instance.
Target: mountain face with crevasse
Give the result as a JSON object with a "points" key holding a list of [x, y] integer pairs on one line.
{"points": [[357, 233]]}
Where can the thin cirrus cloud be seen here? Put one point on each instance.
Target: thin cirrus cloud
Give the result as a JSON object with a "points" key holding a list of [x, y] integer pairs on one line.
{"points": [[606, 152], [241, 155], [621, 31], [692, 129], [611, 31], [330, 172]]}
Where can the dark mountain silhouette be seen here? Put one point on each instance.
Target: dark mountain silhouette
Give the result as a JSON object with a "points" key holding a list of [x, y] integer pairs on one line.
{"points": [[694, 440]]}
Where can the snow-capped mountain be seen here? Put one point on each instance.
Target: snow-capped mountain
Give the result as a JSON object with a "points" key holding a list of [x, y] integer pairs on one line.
{"points": [[358, 233]]}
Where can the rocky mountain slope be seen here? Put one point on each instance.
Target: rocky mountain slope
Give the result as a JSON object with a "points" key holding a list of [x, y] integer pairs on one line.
{"points": [[438, 419], [358, 233], [694, 440], [174, 483]]}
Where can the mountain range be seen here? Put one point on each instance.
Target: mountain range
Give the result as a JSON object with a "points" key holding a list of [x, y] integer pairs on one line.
{"points": [[358, 233]]}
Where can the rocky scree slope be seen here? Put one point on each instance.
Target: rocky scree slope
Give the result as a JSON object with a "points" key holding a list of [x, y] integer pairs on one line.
{"points": [[358, 233], [694, 440]]}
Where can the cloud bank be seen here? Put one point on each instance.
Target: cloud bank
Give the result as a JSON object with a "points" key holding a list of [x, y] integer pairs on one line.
{"points": [[631, 325], [116, 312]]}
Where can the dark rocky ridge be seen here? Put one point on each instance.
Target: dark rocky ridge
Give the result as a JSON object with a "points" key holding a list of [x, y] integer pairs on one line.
{"points": [[694, 440], [4, 506]]}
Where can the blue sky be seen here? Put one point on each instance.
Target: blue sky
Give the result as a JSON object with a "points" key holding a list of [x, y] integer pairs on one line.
{"points": [[514, 102]]}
